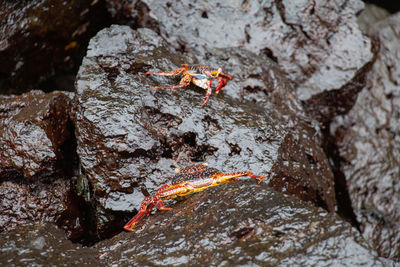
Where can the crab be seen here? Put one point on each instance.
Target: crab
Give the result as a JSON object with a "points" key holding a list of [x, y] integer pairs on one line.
{"points": [[187, 181], [199, 75]]}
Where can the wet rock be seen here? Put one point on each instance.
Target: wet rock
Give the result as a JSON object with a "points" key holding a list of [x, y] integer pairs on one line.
{"points": [[37, 161], [324, 107], [21, 203], [370, 16], [43, 244], [392, 7], [35, 135], [131, 12], [42, 41], [240, 223], [369, 143], [318, 44], [131, 138]]}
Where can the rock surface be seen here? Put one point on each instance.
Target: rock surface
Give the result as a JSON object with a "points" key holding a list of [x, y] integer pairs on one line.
{"points": [[369, 143], [34, 129], [42, 244], [37, 160], [22, 204], [317, 43], [42, 41], [240, 223], [131, 138], [370, 16], [278, 230]]}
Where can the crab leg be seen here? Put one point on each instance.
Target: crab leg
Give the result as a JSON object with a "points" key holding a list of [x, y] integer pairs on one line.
{"points": [[185, 81], [221, 83], [147, 205], [166, 192], [214, 180], [171, 73], [171, 87], [209, 91], [145, 209], [225, 76], [221, 178]]}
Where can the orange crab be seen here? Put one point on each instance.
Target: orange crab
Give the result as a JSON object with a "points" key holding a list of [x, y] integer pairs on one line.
{"points": [[188, 180], [199, 75]]}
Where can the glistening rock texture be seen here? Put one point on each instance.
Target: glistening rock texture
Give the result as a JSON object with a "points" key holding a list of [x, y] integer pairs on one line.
{"points": [[45, 39], [34, 129], [369, 142], [240, 223], [42, 244], [130, 137], [36, 159], [21, 204], [317, 43]]}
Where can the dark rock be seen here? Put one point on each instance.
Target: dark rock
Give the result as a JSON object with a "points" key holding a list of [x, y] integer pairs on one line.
{"points": [[391, 6], [130, 138], [318, 44], [44, 41], [42, 245], [37, 161], [324, 107], [134, 13], [240, 223], [369, 144], [34, 130], [39, 202]]}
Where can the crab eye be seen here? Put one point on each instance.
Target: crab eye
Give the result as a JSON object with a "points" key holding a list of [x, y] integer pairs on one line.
{"points": [[215, 73]]}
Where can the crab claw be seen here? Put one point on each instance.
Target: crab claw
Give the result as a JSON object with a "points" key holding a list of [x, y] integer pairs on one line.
{"points": [[145, 209], [160, 205], [221, 83], [209, 91]]}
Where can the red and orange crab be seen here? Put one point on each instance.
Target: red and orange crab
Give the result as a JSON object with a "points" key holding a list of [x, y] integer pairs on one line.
{"points": [[199, 75], [188, 180]]}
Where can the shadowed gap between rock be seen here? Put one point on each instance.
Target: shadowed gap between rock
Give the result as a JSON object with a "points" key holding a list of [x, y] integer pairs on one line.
{"points": [[323, 108]]}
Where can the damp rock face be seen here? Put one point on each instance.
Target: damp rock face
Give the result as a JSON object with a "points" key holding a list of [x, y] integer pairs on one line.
{"points": [[34, 127], [369, 142], [36, 159], [42, 244], [43, 39], [131, 138], [317, 43], [240, 223], [21, 204]]}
